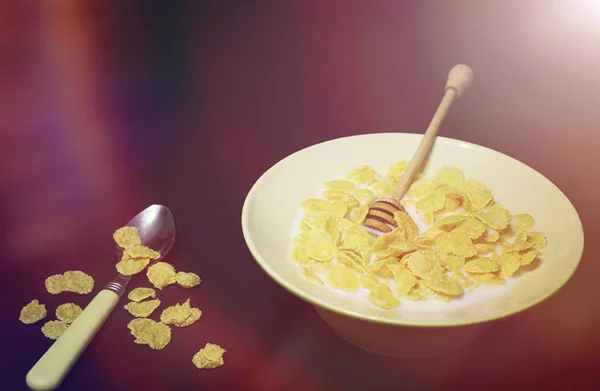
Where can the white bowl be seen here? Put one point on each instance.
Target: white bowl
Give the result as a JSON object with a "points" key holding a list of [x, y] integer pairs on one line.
{"points": [[270, 209]]}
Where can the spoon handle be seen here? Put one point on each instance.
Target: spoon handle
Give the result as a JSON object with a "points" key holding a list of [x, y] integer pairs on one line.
{"points": [[459, 80], [51, 368]]}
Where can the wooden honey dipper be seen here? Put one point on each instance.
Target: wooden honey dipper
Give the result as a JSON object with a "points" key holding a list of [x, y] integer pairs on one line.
{"points": [[380, 217]]}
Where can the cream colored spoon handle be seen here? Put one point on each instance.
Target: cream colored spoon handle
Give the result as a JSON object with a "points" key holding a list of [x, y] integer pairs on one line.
{"points": [[51, 368], [459, 79]]}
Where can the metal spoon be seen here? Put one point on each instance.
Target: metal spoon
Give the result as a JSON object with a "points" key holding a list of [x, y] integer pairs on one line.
{"points": [[157, 231]]}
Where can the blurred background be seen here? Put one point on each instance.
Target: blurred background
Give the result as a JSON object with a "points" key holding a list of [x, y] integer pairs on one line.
{"points": [[108, 106]]}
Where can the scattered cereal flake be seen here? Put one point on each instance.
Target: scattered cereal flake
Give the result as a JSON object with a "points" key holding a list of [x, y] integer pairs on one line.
{"points": [[141, 293], [431, 203], [422, 262], [161, 274], [397, 169], [310, 275], [53, 329], [67, 312], [158, 336], [343, 278], [300, 240], [315, 205], [420, 189], [314, 219], [350, 201], [358, 214], [538, 239], [484, 248], [509, 263], [380, 267], [405, 280], [404, 220], [187, 279], [528, 257], [448, 223], [473, 228], [368, 281], [339, 185], [364, 196], [210, 357], [490, 236], [495, 216], [489, 279], [441, 283], [451, 262], [334, 194], [129, 266], [138, 326], [142, 309], [456, 242], [180, 315], [334, 228], [319, 267], [126, 237], [71, 281], [451, 205], [319, 246], [383, 297], [363, 175], [32, 312], [518, 245], [140, 252], [450, 176], [338, 208], [299, 255], [523, 222], [383, 241], [477, 193], [403, 247], [482, 265], [352, 259], [383, 189]]}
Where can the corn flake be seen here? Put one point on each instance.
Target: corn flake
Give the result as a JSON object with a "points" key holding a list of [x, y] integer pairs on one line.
{"points": [[310, 275], [482, 265], [161, 274], [142, 309], [156, 335], [53, 329], [33, 312], [477, 193], [383, 297], [126, 237], [344, 186], [523, 222], [528, 257], [538, 239], [420, 189], [141, 252], [343, 278], [363, 175], [422, 262], [368, 281], [141, 293], [299, 255], [129, 266], [187, 279], [450, 176], [364, 196], [71, 281], [68, 312], [509, 263], [404, 220], [489, 279], [431, 203], [495, 216], [457, 243], [319, 246], [441, 283], [210, 357], [180, 315]]}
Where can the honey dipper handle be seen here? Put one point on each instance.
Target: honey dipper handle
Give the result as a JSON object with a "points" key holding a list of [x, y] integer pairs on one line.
{"points": [[459, 79]]}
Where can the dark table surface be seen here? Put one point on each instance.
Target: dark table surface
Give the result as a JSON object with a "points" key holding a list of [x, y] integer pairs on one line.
{"points": [[109, 106]]}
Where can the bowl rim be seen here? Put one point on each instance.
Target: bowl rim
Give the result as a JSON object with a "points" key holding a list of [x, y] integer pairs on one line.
{"points": [[316, 301]]}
